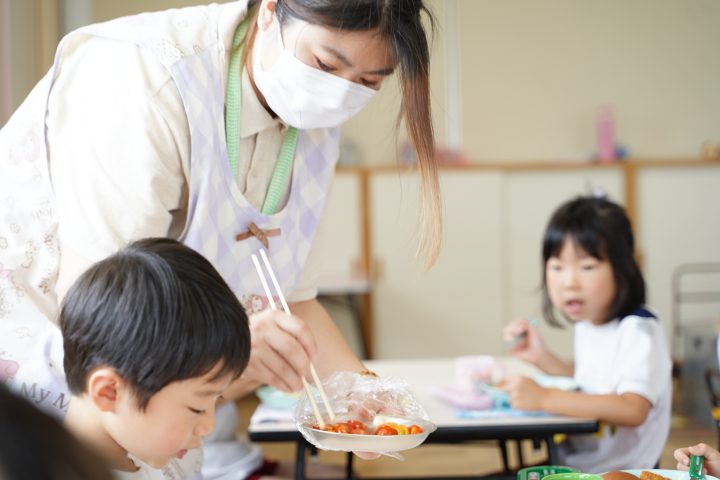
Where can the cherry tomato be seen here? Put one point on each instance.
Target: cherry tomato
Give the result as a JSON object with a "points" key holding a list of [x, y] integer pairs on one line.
{"points": [[359, 431], [342, 428], [415, 429], [385, 430], [355, 424]]}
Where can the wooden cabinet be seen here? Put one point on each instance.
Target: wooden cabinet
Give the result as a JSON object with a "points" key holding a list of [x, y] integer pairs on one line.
{"points": [[489, 270]]}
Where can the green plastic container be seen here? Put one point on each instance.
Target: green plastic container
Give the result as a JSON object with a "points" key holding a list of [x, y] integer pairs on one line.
{"points": [[696, 467], [542, 471], [573, 476]]}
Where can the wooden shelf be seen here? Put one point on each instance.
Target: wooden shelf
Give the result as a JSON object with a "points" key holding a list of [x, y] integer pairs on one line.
{"points": [[543, 165]]}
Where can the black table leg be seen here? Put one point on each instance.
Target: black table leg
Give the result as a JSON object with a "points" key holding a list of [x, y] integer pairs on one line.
{"points": [[552, 450], [521, 460], [504, 455], [349, 466], [300, 460]]}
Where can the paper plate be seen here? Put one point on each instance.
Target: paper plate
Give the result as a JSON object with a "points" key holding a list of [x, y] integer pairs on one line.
{"points": [[348, 442], [671, 474]]}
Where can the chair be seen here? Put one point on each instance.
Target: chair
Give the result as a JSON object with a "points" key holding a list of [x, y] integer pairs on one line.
{"points": [[708, 272], [712, 380]]}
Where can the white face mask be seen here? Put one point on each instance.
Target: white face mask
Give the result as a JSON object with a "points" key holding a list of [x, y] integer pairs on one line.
{"points": [[303, 96]]}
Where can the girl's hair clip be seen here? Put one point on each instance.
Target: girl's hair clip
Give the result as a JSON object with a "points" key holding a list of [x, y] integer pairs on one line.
{"points": [[598, 192]]}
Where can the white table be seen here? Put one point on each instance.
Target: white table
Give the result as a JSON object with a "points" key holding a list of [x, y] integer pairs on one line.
{"points": [[422, 374]]}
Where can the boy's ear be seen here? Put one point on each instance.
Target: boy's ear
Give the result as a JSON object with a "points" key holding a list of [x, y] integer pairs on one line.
{"points": [[104, 388], [266, 14]]}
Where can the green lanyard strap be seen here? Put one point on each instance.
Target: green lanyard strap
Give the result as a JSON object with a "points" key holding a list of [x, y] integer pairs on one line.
{"points": [[232, 126]]}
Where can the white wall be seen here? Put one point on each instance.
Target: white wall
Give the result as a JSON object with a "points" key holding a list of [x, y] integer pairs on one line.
{"points": [[103, 10], [532, 75], [28, 37], [19, 54], [6, 97], [457, 307]]}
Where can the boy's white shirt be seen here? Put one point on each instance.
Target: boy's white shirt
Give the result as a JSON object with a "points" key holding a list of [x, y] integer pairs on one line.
{"points": [[628, 356], [187, 468]]}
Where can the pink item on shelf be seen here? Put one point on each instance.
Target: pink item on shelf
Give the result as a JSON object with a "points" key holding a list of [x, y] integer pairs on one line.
{"points": [[606, 134]]}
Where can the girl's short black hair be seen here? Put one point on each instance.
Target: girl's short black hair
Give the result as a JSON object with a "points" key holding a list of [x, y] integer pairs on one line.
{"points": [[156, 312], [602, 229]]}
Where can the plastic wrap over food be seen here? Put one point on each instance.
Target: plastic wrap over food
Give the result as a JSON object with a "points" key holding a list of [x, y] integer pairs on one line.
{"points": [[372, 414]]}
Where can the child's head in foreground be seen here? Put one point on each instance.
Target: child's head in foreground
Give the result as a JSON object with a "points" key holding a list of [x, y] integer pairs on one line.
{"points": [[34, 445], [152, 336], [590, 267]]}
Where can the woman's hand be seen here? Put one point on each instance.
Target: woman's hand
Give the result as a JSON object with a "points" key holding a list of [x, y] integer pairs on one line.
{"points": [[712, 458], [524, 393], [282, 348], [527, 343]]}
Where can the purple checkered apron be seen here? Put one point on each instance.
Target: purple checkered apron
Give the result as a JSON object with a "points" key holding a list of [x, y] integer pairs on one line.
{"points": [[217, 210]]}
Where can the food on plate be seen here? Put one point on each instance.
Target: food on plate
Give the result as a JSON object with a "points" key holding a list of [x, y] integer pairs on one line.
{"points": [[619, 475], [356, 427], [351, 426], [386, 430], [413, 429], [646, 475]]}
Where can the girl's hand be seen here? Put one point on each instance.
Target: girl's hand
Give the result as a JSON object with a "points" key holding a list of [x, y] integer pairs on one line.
{"points": [[282, 347], [712, 458], [524, 393], [526, 342]]}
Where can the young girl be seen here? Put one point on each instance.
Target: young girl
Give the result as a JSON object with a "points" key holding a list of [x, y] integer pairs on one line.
{"points": [[622, 364]]}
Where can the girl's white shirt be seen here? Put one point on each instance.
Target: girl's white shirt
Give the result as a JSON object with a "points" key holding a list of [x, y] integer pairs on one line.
{"points": [[627, 356], [108, 192]]}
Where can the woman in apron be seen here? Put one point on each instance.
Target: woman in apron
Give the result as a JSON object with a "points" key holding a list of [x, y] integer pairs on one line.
{"points": [[215, 125]]}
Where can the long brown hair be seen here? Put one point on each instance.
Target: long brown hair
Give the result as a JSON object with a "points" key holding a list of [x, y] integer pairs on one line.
{"points": [[401, 22]]}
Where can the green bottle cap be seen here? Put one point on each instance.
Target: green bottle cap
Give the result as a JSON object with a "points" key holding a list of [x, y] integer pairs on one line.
{"points": [[696, 467]]}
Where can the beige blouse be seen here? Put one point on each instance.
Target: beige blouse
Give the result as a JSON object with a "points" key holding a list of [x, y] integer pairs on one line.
{"points": [[118, 143]]}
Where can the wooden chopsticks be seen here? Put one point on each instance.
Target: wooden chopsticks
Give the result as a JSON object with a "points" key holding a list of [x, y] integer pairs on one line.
{"points": [[286, 309]]}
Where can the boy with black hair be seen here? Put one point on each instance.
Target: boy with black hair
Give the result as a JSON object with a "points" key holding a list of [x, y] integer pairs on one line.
{"points": [[152, 337]]}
